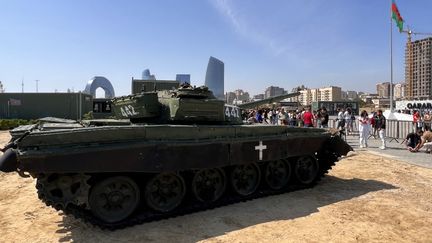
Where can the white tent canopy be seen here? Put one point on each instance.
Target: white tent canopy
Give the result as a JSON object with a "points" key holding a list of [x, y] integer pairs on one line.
{"points": [[397, 116]]}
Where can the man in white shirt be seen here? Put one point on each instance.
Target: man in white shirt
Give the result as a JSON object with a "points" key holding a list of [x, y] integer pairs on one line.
{"points": [[340, 121]]}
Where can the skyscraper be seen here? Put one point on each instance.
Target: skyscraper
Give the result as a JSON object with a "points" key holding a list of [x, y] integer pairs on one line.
{"points": [[183, 78], [331, 93], [399, 91], [274, 91], [214, 79], [383, 90], [418, 69], [147, 76]]}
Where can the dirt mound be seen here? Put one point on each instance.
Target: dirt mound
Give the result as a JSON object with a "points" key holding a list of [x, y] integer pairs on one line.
{"points": [[365, 198]]}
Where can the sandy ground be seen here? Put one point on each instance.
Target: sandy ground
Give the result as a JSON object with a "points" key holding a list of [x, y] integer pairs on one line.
{"points": [[365, 198]]}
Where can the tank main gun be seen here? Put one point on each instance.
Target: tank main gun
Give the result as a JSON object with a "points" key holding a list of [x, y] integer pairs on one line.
{"points": [[254, 104]]}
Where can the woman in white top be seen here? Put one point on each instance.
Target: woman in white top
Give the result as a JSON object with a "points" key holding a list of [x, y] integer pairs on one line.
{"points": [[364, 128]]}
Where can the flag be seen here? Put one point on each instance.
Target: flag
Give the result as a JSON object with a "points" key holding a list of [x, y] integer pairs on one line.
{"points": [[396, 16]]}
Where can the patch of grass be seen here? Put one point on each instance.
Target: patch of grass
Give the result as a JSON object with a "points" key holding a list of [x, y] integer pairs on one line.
{"points": [[6, 124]]}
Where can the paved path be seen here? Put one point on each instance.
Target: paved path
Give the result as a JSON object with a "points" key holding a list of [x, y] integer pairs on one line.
{"points": [[394, 150]]}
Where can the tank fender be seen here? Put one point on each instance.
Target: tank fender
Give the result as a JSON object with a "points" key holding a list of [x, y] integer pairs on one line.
{"points": [[9, 162], [338, 146]]}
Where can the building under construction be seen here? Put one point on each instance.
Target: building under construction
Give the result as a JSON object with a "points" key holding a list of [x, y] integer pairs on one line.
{"points": [[418, 69]]}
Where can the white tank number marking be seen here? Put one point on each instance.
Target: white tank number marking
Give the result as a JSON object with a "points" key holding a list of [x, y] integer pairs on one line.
{"points": [[128, 110], [231, 111], [261, 147]]}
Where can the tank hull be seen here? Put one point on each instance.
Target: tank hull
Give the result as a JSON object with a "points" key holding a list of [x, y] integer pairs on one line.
{"points": [[164, 147]]}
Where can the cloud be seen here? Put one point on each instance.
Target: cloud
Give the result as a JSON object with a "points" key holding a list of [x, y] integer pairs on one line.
{"points": [[240, 25]]}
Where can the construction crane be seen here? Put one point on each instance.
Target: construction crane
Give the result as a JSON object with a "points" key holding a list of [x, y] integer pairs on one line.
{"points": [[410, 62]]}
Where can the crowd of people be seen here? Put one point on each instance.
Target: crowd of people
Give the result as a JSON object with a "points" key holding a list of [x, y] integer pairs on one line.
{"points": [[421, 136], [422, 120], [296, 118], [368, 124], [371, 125]]}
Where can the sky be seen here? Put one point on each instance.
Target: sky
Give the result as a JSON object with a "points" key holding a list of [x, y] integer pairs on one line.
{"points": [[315, 43]]}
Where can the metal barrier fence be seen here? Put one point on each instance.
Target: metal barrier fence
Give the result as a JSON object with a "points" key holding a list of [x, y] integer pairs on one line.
{"points": [[333, 124], [394, 129]]}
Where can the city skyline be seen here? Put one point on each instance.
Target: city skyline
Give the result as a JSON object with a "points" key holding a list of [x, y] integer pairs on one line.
{"points": [[283, 44]]}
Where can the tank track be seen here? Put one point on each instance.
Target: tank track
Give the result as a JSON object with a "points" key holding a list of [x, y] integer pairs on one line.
{"points": [[189, 206]]}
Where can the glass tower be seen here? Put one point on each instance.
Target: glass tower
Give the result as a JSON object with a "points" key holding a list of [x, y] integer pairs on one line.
{"points": [[214, 79], [183, 78]]}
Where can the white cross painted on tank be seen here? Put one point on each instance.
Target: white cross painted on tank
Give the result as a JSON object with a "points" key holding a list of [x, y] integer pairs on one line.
{"points": [[260, 147]]}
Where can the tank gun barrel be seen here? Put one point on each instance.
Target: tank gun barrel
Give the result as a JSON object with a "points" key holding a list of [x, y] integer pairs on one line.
{"points": [[270, 100]]}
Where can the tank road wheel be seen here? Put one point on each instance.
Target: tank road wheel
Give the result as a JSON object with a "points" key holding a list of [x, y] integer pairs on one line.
{"points": [[114, 199], [277, 174], [208, 185], [165, 191], [306, 169], [245, 179]]}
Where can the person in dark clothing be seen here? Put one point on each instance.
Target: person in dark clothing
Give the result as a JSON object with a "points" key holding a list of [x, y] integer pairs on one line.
{"points": [[412, 139], [380, 125], [259, 117], [324, 117]]}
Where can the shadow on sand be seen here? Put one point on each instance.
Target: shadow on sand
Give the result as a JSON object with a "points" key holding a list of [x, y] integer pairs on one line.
{"points": [[216, 222]]}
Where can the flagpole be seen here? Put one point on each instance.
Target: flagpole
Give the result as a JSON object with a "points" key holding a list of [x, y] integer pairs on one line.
{"points": [[391, 58]]}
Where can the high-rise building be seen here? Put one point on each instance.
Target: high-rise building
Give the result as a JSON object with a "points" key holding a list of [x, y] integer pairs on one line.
{"points": [[183, 78], [147, 76], [383, 90], [230, 97], [307, 96], [418, 69], [237, 97], [214, 78], [258, 97], [332, 93], [242, 95], [399, 91], [350, 95], [273, 91], [1, 88]]}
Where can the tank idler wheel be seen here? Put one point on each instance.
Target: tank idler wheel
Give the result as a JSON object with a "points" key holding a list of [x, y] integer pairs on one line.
{"points": [[306, 169], [277, 174], [165, 191], [208, 185], [245, 179], [114, 199]]}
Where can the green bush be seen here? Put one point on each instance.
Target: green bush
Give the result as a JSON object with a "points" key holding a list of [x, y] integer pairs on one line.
{"points": [[6, 124], [88, 115]]}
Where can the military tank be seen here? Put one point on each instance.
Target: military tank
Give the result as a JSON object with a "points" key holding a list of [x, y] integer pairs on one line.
{"points": [[169, 153]]}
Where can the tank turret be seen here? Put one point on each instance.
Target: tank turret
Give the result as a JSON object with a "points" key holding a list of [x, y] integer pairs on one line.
{"points": [[185, 105]]}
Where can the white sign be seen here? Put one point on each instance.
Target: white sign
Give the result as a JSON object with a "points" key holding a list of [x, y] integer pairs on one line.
{"points": [[414, 105]]}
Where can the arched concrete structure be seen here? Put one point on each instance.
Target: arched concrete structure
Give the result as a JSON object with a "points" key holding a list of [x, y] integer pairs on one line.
{"points": [[99, 82]]}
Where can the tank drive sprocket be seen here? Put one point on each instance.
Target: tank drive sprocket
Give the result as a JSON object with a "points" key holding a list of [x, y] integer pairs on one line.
{"points": [[61, 190]]}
